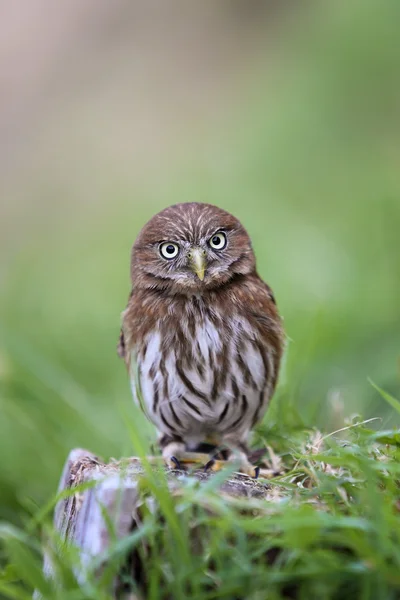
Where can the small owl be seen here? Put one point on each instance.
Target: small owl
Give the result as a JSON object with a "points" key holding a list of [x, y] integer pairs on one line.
{"points": [[201, 335]]}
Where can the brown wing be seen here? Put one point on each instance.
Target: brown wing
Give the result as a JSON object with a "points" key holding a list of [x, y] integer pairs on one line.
{"points": [[121, 346], [269, 292], [262, 309], [121, 350]]}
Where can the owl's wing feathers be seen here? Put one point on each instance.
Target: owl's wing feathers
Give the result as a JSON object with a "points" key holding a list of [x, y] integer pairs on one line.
{"points": [[134, 372], [260, 302], [129, 355], [269, 292], [262, 310], [121, 348], [122, 345]]}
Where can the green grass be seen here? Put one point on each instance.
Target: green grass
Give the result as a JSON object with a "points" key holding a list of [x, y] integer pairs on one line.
{"points": [[329, 528], [308, 160]]}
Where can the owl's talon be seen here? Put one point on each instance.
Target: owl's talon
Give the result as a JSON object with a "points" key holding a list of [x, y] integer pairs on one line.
{"points": [[208, 466], [253, 472], [176, 465]]}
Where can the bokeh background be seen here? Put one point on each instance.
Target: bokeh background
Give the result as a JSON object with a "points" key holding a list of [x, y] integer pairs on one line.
{"points": [[285, 113]]}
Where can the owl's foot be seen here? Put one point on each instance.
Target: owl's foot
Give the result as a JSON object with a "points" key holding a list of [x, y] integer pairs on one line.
{"points": [[181, 460], [239, 455], [174, 463], [172, 453], [193, 459], [176, 457], [246, 468]]}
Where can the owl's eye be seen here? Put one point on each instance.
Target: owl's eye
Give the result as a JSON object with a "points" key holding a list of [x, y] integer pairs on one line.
{"points": [[169, 250], [218, 241]]}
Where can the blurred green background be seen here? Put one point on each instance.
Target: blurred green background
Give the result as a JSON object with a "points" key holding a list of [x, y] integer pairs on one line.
{"points": [[286, 114]]}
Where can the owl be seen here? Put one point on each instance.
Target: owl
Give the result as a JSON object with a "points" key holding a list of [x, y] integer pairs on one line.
{"points": [[201, 335]]}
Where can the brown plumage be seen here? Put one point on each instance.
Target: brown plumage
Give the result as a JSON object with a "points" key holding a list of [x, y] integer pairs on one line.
{"points": [[201, 335]]}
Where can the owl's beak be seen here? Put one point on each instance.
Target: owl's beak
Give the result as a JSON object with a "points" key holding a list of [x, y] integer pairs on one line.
{"points": [[198, 263]]}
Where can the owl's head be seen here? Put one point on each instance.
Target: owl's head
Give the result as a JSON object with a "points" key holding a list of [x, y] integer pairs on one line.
{"points": [[187, 248]]}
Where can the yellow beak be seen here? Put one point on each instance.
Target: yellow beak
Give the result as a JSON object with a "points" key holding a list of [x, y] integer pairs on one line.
{"points": [[198, 263]]}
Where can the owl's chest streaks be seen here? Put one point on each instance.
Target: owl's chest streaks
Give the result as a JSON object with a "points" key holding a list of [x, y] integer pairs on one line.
{"points": [[203, 373]]}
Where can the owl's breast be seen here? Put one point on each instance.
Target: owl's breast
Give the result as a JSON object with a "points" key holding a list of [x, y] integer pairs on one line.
{"points": [[202, 376]]}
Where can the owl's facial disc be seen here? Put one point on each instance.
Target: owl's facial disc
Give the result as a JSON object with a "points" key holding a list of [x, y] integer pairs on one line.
{"points": [[190, 249], [197, 261]]}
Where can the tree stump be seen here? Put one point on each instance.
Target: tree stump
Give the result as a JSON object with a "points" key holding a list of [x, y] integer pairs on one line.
{"points": [[105, 504]]}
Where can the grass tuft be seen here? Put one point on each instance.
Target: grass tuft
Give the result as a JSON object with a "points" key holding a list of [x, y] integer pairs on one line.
{"points": [[328, 528]]}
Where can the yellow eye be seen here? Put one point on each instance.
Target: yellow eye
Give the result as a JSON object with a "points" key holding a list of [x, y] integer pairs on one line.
{"points": [[169, 250], [218, 241]]}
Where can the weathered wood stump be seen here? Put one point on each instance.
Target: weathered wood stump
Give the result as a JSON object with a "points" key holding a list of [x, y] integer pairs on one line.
{"points": [[104, 506]]}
